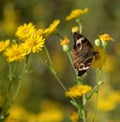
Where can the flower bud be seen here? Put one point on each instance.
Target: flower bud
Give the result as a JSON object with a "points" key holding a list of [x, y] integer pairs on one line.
{"points": [[75, 29], [66, 48], [100, 83], [97, 42], [65, 43], [105, 44]]}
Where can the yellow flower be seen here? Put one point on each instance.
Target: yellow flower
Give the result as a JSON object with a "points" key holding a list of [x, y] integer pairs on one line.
{"points": [[105, 37], [78, 90], [51, 115], [51, 28], [65, 41], [115, 96], [100, 59], [33, 44], [4, 44], [105, 105], [50, 112], [109, 101], [25, 31], [76, 13], [110, 65], [39, 32], [75, 29], [18, 113], [74, 117], [14, 53]]}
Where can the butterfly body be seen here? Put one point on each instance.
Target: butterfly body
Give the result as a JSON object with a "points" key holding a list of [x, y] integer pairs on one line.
{"points": [[83, 53]]}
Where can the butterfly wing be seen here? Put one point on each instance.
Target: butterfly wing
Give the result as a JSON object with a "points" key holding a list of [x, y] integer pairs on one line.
{"points": [[83, 53]]}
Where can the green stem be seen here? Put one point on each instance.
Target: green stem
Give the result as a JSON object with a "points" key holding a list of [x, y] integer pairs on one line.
{"points": [[51, 68], [95, 113], [75, 104], [57, 34], [94, 90], [83, 115], [5, 106], [11, 79], [98, 85], [12, 70], [83, 110], [17, 91], [84, 100], [49, 59], [79, 25], [58, 79], [20, 82], [79, 80], [8, 102], [71, 61]]}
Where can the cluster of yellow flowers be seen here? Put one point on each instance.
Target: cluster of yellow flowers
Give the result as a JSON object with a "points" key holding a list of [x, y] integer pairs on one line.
{"points": [[50, 111], [30, 40]]}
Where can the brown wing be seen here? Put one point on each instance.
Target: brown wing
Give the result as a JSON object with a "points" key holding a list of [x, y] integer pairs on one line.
{"points": [[83, 53]]}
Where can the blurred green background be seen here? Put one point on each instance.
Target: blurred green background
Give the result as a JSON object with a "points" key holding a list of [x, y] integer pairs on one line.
{"points": [[39, 84]]}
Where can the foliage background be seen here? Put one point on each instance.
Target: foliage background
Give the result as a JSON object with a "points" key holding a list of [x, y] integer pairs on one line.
{"points": [[103, 17]]}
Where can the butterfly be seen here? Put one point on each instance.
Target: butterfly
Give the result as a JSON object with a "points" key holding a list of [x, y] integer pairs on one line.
{"points": [[83, 53]]}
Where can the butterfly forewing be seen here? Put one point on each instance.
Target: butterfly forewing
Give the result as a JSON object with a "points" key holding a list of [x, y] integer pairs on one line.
{"points": [[83, 53]]}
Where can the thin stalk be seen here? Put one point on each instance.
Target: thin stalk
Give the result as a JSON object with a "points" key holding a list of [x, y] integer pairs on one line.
{"points": [[14, 68], [97, 79], [83, 110], [59, 81], [71, 61], [80, 80], [20, 82], [10, 76], [8, 103], [5, 106], [51, 68], [79, 25], [84, 100], [83, 115], [10, 72], [95, 113], [57, 34], [49, 59]]}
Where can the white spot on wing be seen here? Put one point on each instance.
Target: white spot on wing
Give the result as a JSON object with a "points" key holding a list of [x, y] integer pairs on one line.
{"points": [[83, 67], [80, 41]]}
